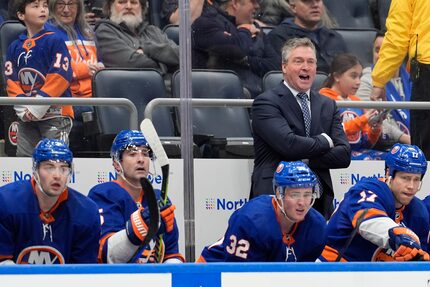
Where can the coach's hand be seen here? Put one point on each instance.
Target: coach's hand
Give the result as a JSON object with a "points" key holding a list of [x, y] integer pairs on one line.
{"points": [[406, 245]]}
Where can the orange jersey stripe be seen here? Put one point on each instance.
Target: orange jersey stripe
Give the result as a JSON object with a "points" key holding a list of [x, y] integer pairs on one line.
{"points": [[372, 212], [101, 244], [201, 259], [331, 254], [14, 88]]}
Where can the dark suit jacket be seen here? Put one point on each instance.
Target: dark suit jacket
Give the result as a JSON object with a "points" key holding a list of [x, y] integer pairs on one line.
{"points": [[279, 134]]}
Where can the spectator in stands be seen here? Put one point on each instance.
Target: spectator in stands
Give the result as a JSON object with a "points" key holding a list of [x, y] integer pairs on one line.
{"points": [[124, 208], [277, 228], [273, 12], [285, 129], [360, 126], [395, 128], [69, 22], [38, 65], [4, 10], [42, 220], [126, 40], [93, 11], [170, 11], [383, 220], [407, 31], [225, 36], [307, 23]]}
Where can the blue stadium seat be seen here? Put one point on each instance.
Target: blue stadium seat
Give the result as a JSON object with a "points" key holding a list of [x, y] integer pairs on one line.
{"points": [[220, 131], [172, 32], [9, 31], [273, 78], [360, 43], [351, 13], [140, 86]]}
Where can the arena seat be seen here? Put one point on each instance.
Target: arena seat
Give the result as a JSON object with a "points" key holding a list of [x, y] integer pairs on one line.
{"points": [[219, 131], [351, 13], [273, 78], [9, 31], [360, 43], [383, 9], [139, 86], [172, 32]]}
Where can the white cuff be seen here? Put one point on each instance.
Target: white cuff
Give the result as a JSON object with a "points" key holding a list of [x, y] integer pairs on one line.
{"points": [[119, 248], [376, 230], [20, 111], [328, 138], [38, 111]]}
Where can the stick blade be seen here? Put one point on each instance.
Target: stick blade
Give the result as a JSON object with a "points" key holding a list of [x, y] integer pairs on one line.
{"points": [[151, 136]]}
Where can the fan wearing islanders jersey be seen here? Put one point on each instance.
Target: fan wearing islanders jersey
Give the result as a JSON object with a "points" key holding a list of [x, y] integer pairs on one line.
{"points": [[38, 65], [42, 221], [383, 221], [277, 228], [123, 208]]}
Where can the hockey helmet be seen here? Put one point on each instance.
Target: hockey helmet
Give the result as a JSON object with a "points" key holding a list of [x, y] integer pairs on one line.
{"points": [[294, 174], [406, 158], [52, 149], [125, 139]]}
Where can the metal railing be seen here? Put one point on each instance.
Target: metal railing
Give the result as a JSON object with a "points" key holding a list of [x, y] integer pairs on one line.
{"points": [[133, 119], [248, 103]]}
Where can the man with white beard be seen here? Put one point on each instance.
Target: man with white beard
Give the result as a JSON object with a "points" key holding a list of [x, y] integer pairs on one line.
{"points": [[126, 40]]}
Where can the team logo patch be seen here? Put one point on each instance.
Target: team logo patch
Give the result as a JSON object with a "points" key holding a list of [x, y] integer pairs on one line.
{"points": [[395, 149], [280, 168], [40, 254], [12, 133]]}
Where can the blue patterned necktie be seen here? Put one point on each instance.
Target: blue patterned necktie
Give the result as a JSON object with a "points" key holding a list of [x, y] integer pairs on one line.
{"points": [[303, 97]]}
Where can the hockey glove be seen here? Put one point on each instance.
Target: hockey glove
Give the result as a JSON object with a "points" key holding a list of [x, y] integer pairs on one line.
{"points": [[406, 245], [167, 218], [137, 226]]}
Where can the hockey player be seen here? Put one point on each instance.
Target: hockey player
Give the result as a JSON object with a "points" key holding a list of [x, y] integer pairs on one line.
{"points": [[277, 228], [42, 221], [383, 221], [38, 65], [124, 212]]}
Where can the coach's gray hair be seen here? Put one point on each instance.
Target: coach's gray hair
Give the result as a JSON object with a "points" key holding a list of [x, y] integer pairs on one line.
{"points": [[296, 43]]}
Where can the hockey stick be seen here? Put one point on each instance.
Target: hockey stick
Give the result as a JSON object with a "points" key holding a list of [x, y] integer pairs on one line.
{"points": [[353, 233], [154, 142], [154, 214]]}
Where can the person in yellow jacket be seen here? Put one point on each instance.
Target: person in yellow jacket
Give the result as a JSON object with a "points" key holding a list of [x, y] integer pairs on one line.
{"points": [[408, 33]]}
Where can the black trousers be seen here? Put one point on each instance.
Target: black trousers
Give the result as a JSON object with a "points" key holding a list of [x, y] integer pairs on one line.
{"points": [[420, 119]]}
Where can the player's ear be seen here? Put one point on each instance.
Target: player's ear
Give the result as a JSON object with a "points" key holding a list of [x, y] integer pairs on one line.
{"points": [[116, 166]]}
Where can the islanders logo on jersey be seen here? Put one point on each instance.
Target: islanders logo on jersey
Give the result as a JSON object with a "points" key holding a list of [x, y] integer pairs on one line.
{"points": [[346, 116], [31, 79], [40, 254]]}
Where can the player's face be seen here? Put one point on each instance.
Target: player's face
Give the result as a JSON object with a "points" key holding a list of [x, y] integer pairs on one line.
{"points": [[66, 11], [297, 202], [53, 177], [348, 82], [35, 16], [135, 163], [300, 68], [404, 187]]}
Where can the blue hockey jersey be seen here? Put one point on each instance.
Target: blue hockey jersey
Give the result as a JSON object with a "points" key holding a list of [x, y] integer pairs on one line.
{"points": [[39, 66], [254, 235], [68, 233], [116, 206], [371, 196]]}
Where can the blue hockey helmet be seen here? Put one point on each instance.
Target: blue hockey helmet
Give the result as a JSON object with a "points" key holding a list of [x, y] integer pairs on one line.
{"points": [[125, 139], [52, 149], [406, 158], [294, 174]]}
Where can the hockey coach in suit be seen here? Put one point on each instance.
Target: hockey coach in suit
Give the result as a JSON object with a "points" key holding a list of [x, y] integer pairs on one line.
{"points": [[291, 122]]}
